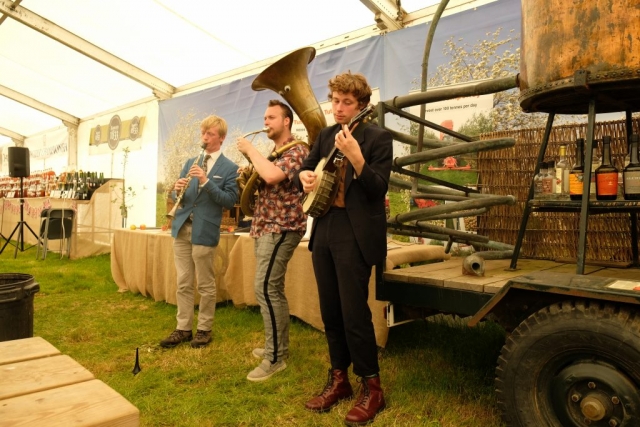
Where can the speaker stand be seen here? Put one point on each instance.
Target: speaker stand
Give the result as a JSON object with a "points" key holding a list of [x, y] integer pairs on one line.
{"points": [[20, 229]]}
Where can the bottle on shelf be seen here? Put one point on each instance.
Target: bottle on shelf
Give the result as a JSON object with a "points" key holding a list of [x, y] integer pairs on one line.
{"points": [[595, 164], [548, 181], [606, 174], [562, 174], [576, 175], [537, 181], [631, 173]]}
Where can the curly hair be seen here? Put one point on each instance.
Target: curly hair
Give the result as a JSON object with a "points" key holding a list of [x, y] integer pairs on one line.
{"points": [[355, 84]]}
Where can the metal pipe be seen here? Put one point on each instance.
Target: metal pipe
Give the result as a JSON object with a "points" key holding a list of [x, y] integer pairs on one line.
{"points": [[481, 87]]}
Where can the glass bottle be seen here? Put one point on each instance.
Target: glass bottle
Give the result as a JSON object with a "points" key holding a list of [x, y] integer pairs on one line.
{"points": [[562, 173], [576, 175], [631, 173], [548, 181], [537, 181], [595, 163], [606, 174]]}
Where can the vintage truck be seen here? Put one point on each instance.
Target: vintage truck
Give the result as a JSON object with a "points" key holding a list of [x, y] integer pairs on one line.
{"points": [[572, 352]]}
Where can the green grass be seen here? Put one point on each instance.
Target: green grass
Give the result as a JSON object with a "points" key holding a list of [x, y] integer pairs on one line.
{"points": [[435, 373]]}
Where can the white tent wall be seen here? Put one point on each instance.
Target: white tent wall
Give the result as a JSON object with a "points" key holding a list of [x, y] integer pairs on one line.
{"points": [[142, 161], [393, 76]]}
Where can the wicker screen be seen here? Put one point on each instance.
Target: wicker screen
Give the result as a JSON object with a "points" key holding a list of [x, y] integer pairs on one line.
{"points": [[552, 235]]}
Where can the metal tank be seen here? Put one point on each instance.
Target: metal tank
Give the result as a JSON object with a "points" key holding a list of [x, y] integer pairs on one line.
{"points": [[573, 50]]}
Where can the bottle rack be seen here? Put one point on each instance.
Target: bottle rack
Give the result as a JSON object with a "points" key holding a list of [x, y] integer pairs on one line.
{"points": [[585, 206]]}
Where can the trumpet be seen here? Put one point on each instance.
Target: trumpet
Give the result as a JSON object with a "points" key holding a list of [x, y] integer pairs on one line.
{"points": [[172, 213]]}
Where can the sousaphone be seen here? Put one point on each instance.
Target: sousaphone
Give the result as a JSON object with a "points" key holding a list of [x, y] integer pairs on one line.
{"points": [[288, 77]]}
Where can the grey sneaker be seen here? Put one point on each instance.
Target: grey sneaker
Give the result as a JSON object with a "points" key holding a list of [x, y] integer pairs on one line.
{"points": [[202, 339], [178, 336], [265, 370]]}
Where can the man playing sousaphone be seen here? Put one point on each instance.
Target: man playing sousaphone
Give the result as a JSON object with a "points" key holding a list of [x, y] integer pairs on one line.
{"points": [[277, 227], [346, 242]]}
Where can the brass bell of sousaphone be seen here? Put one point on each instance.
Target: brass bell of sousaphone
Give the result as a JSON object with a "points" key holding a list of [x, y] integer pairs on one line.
{"points": [[288, 77]]}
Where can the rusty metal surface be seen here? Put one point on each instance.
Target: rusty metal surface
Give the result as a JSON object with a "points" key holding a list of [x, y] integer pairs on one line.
{"points": [[575, 50]]}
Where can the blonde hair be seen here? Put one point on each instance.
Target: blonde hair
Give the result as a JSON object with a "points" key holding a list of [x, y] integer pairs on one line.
{"points": [[213, 120]]}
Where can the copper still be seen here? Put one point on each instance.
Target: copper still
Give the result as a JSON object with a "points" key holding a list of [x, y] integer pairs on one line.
{"points": [[576, 50]]}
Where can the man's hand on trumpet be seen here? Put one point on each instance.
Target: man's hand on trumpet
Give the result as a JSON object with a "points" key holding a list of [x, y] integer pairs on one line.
{"points": [[308, 180]]}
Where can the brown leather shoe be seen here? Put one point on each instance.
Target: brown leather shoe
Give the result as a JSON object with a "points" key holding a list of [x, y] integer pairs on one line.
{"points": [[178, 336], [338, 388], [370, 402], [201, 339]]}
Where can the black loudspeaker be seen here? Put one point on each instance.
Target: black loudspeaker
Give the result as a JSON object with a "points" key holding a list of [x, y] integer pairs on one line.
{"points": [[19, 162]]}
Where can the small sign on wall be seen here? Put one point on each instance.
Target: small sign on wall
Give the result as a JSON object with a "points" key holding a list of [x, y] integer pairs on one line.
{"points": [[116, 131]]}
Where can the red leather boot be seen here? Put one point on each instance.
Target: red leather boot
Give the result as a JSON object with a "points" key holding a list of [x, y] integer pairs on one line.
{"points": [[370, 402], [337, 389]]}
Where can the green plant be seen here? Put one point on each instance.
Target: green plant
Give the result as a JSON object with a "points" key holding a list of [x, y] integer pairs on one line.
{"points": [[124, 194]]}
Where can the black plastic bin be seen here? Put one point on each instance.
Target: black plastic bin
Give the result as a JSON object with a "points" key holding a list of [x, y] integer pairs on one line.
{"points": [[16, 305]]}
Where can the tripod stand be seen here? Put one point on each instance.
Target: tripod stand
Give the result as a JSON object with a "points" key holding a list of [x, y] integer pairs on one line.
{"points": [[20, 229]]}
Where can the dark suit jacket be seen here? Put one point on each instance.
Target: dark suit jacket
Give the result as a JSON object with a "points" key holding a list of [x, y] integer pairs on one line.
{"points": [[206, 205], [364, 195]]}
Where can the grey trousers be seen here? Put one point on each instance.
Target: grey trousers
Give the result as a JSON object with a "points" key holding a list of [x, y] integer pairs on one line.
{"points": [[194, 261], [273, 252]]}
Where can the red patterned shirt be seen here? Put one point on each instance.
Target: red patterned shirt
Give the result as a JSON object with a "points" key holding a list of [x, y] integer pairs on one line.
{"points": [[279, 207]]}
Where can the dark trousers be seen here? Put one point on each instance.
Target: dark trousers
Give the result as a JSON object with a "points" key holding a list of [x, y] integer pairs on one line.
{"points": [[343, 287]]}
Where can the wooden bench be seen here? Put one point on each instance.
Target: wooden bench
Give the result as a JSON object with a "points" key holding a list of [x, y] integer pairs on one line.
{"points": [[41, 387]]}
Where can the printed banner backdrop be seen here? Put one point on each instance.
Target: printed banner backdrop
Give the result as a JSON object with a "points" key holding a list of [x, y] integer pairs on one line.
{"points": [[391, 62], [49, 150], [453, 113]]}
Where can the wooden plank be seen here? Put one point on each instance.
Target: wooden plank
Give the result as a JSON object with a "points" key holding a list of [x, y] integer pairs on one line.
{"points": [[617, 273], [571, 269], [25, 349], [22, 378], [492, 288], [90, 403], [496, 271], [424, 274]]}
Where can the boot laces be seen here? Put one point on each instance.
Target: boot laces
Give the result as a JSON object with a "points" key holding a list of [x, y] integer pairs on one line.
{"points": [[363, 399], [327, 387]]}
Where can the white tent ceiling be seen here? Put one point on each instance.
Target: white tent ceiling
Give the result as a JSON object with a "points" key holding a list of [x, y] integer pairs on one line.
{"points": [[163, 44]]}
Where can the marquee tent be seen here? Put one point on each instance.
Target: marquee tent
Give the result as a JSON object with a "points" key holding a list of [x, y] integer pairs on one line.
{"points": [[68, 67]]}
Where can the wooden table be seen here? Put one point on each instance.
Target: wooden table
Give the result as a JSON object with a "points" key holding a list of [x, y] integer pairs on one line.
{"points": [[41, 387], [94, 224], [142, 262], [300, 283]]}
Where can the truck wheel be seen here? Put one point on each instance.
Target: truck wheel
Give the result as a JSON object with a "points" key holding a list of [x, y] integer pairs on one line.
{"points": [[575, 363]]}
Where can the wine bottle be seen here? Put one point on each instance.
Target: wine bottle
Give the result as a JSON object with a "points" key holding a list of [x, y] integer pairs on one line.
{"points": [[550, 181], [537, 181], [576, 175], [562, 173], [606, 174], [631, 173], [595, 163]]}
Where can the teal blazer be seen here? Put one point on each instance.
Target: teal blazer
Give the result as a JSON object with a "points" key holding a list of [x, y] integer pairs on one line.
{"points": [[206, 205]]}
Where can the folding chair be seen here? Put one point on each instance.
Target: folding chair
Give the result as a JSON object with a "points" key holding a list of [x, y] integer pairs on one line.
{"points": [[55, 224]]}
